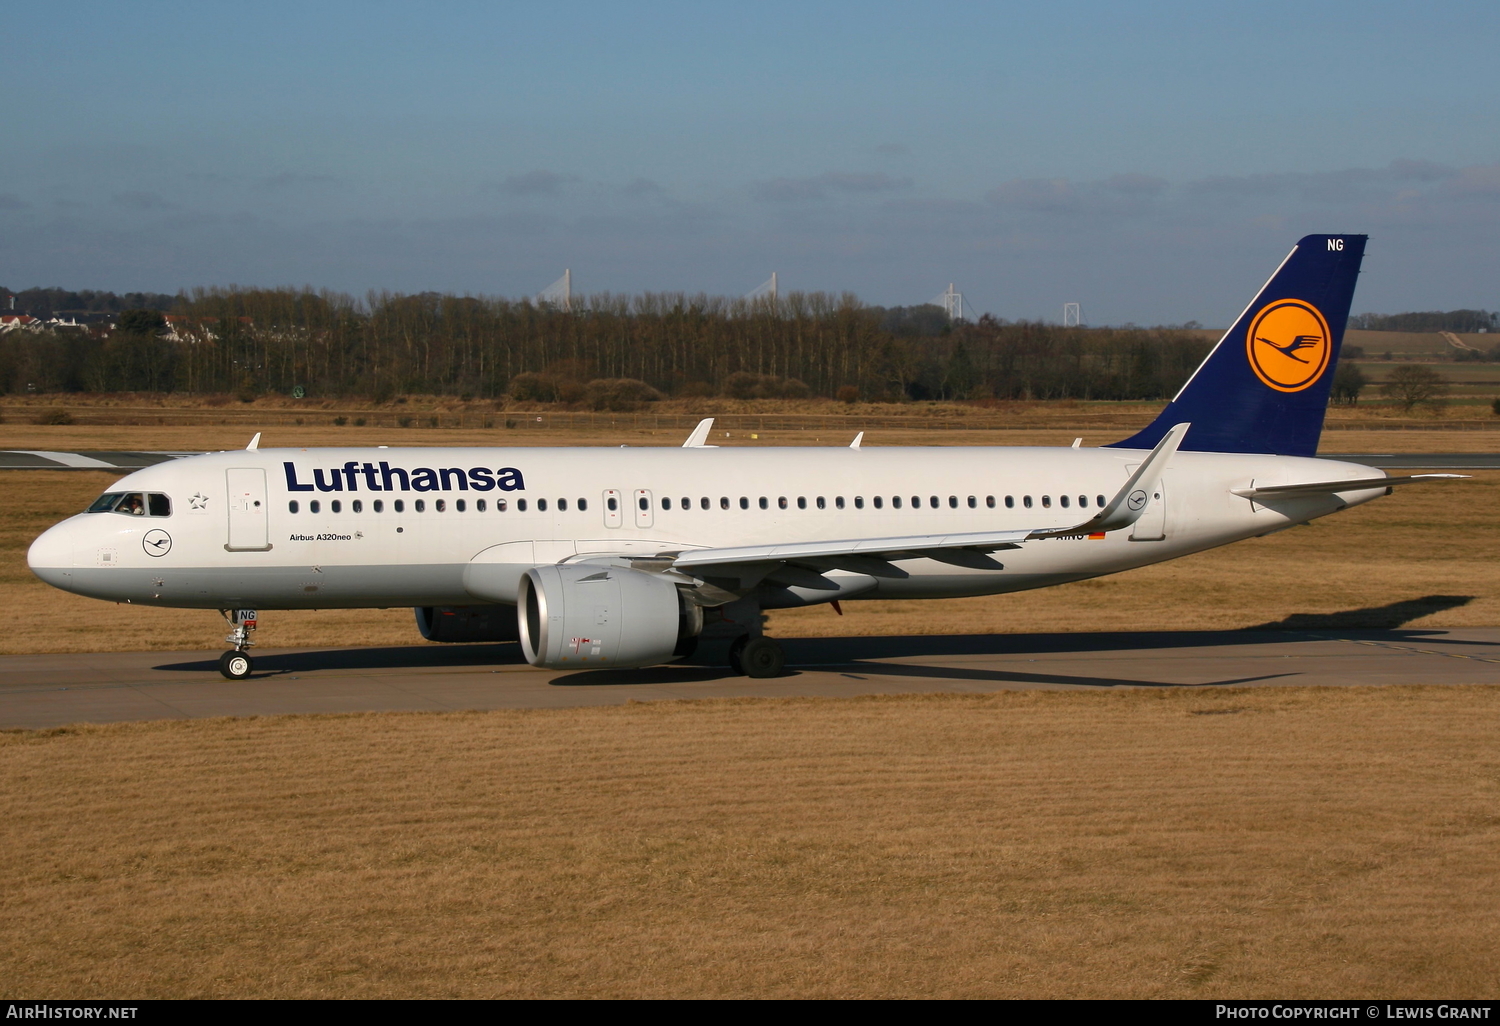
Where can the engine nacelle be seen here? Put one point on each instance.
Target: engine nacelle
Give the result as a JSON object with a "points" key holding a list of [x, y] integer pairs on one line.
{"points": [[578, 617], [467, 623]]}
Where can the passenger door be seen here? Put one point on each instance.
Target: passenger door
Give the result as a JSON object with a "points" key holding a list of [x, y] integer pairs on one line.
{"points": [[614, 515], [248, 527]]}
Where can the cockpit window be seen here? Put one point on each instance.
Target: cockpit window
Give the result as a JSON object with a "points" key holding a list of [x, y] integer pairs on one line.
{"points": [[135, 504]]}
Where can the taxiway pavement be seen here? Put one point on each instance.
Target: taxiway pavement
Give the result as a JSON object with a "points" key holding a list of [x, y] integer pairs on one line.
{"points": [[39, 691]]}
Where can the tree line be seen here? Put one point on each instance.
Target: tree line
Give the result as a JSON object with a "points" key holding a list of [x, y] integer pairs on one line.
{"points": [[255, 341], [1464, 321]]}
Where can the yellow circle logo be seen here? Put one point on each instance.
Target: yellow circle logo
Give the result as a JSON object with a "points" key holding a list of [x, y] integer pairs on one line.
{"points": [[1289, 345]]}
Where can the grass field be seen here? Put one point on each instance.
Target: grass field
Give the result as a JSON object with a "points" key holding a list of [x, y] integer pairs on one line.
{"points": [[1271, 842]]}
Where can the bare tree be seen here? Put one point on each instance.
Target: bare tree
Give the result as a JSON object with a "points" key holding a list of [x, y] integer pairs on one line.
{"points": [[1412, 385]]}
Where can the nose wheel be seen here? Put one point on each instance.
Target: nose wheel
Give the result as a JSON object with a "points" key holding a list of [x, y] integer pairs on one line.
{"points": [[235, 665]]}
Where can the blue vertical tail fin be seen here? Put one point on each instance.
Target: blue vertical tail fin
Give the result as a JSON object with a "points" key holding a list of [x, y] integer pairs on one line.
{"points": [[1264, 387]]}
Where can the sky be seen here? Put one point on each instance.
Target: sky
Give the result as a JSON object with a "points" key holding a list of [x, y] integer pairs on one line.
{"points": [[1152, 162]]}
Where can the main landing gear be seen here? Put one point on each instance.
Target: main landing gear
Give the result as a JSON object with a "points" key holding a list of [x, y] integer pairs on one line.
{"points": [[756, 657], [236, 664]]}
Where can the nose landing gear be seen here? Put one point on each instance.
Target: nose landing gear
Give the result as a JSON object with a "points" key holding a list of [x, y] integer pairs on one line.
{"points": [[237, 664]]}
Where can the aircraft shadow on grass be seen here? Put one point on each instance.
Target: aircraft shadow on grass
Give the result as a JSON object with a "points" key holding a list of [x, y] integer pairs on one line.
{"points": [[863, 655]]}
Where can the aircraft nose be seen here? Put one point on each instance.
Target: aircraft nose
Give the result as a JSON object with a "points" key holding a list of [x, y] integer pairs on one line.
{"points": [[51, 555]]}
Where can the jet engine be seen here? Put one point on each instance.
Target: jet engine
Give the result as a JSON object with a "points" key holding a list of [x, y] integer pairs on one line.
{"points": [[580, 617], [467, 623]]}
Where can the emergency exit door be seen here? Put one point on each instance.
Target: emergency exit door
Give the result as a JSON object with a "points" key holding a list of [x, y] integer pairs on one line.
{"points": [[248, 528]]}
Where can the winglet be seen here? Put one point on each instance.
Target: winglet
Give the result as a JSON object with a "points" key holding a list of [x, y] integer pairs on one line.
{"points": [[699, 438], [1131, 501], [254, 442], [857, 439]]}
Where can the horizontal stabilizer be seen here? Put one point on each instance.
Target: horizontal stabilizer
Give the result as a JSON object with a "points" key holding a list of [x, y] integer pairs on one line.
{"points": [[1328, 487]]}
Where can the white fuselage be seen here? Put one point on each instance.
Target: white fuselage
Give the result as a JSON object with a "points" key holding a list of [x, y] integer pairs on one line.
{"points": [[234, 541]]}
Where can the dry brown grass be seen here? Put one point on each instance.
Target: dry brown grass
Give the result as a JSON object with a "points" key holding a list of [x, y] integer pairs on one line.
{"points": [[1242, 843]]}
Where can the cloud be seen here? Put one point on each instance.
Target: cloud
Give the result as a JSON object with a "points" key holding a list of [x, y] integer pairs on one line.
{"points": [[1421, 170], [1481, 182], [142, 201], [795, 190], [295, 179], [535, 183], [10, 201], [1120, 194]]}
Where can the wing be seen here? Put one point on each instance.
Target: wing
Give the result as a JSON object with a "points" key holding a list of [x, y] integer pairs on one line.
{"points": [[803, 563]]}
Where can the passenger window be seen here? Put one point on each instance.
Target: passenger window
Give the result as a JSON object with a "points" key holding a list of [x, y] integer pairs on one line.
{"points": [[500, 505], [1099, 499], [541, 505], [744, 502], [291, 507], [583, 505], [458, 504], [399, 505], [1026, 501], [441, 505], [974, 503], [562, 505], [1063, 501], [314, 506], [1010, 502], [645, 506], [763, 503], [859, 502], [161, 506], [685, 502], [1046, 502], [336, 506], [357, 506], [895, 502], [379, 505], [521, 505], [839, 502], [821, 503], [703, 502], [1083, 502], [916, 501], [420, 505], [723, 502], [801, 502], [781, 502], [989, 501], [479, 505], [879, 501], [612, 504]]}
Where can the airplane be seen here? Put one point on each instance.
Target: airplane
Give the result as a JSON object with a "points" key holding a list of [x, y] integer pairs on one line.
{"points": [[621, 557]]}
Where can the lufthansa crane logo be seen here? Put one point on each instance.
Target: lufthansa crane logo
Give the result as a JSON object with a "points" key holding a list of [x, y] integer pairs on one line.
{"points": [[157, 542], [1289, 345]]}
